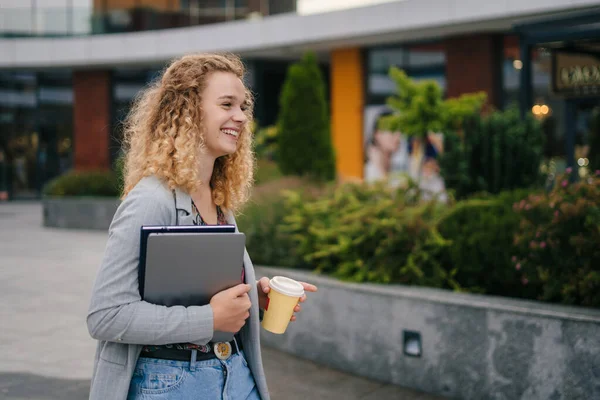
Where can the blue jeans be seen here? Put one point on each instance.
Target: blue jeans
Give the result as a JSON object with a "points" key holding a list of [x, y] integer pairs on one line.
{"points": [[182, 380]]}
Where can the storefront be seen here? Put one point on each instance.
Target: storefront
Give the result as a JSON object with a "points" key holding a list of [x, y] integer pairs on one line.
{"points": [[36, 126], [566, 51], [55, 120], [51, 121]]}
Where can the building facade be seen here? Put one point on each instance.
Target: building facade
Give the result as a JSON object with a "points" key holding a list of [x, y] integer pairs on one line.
{"points": [[66, 82]]}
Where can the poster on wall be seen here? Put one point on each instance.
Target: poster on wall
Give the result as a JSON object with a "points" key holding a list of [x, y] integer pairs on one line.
{"points": [[393, 157]]}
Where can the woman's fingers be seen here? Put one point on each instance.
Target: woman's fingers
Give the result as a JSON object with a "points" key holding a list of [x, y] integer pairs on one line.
{"points": [[308, 287], [264, 284]]}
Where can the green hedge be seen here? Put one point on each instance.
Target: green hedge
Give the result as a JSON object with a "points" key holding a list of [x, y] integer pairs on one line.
{"points": [[368, 234], [84, 183], [557, 247], [493, 153], [261, 221], [266, 171], [95, 183], [489, 244], [481, 232]]}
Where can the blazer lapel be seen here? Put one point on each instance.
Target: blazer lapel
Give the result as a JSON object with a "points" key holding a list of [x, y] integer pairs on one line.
{"points": [[183, 207]]}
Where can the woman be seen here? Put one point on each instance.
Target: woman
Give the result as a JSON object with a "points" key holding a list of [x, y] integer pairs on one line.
{"points": [[381, 151], [188, 160]]}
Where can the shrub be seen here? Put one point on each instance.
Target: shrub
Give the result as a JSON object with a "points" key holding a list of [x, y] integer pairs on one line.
{"points": [[495, 153], [421, 109], [266, 171], [522, 243], [481, 231], [368, 233], [304, 141], [261, 219], [265, 143], [557, 247], [84, 183]]}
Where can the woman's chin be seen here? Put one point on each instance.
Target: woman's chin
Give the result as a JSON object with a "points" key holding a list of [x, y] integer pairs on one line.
{"points": [[229, 150]]}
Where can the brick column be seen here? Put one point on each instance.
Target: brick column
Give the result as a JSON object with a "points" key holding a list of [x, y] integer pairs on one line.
{"points": [[257, 6], [474, 63], [91, 119]]}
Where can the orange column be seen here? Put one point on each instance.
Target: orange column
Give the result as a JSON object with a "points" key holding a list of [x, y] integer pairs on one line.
{"points": [[347, 108]]}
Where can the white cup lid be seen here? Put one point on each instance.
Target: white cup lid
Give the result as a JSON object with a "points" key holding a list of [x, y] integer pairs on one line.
{"points": [[287, 286]]}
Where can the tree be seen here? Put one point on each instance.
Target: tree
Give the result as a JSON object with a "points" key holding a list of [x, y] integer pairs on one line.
{"points": [[494, 153], [304, 139], [420, 110]]}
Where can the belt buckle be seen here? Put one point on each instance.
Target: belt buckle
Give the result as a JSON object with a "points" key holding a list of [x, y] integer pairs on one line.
{"points": [[222, 350]]}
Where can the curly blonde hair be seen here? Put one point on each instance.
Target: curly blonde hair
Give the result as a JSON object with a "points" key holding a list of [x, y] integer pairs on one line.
{"points": [[164, 131]]}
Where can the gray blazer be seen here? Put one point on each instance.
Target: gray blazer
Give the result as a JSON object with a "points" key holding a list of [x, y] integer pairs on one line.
{"points": [[122, 322]]}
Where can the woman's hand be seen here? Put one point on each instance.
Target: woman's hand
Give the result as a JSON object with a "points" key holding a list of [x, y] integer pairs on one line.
{"points": [[231, 308], [264, 289]]}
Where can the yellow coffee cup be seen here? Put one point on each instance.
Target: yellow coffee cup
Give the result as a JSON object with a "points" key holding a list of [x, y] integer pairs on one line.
{"points": [[283, 297]]}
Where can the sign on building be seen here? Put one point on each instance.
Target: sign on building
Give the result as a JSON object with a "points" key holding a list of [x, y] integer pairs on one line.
{"points": [[575, 74]]}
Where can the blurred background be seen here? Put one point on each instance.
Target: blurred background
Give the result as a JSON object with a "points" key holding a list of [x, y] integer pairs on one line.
{"points": [[54, 49], [446, 145]]}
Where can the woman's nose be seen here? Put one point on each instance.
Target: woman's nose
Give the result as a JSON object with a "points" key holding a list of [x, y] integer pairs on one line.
{"points": [[240, 116]]}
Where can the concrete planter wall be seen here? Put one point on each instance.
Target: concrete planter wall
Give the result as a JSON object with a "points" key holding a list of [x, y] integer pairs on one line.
{"points": [[473, 346], [79, 212]]}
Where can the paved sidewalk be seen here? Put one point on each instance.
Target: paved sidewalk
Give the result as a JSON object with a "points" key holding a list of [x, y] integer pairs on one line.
{"points": [[45, 350]]}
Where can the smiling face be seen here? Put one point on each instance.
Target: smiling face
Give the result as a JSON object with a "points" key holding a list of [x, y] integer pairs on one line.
{"points": [[387, 141], [223, 105]]}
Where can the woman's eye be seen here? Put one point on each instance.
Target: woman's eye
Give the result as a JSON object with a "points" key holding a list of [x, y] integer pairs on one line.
{"points": [[226, 104]]}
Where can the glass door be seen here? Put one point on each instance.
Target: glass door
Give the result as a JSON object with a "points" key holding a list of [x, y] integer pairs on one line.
{"points": [[587, 136]]}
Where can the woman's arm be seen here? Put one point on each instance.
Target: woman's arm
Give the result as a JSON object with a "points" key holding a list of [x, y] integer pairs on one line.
{"points": [[116, 312]]}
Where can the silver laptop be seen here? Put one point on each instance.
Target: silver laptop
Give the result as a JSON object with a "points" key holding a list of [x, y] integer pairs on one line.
{"points": [[188, 268]]}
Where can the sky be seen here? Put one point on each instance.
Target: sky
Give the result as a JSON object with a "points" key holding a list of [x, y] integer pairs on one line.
{"points": [[318, 6]]}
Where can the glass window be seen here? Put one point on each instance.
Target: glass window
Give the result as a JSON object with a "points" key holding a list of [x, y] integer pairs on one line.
{"points": [[549, 108], [419, 61], [55, 123], [423, 58], [380, 60], [127, 83], [83, 17], [553, 119], [36, 129]]}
